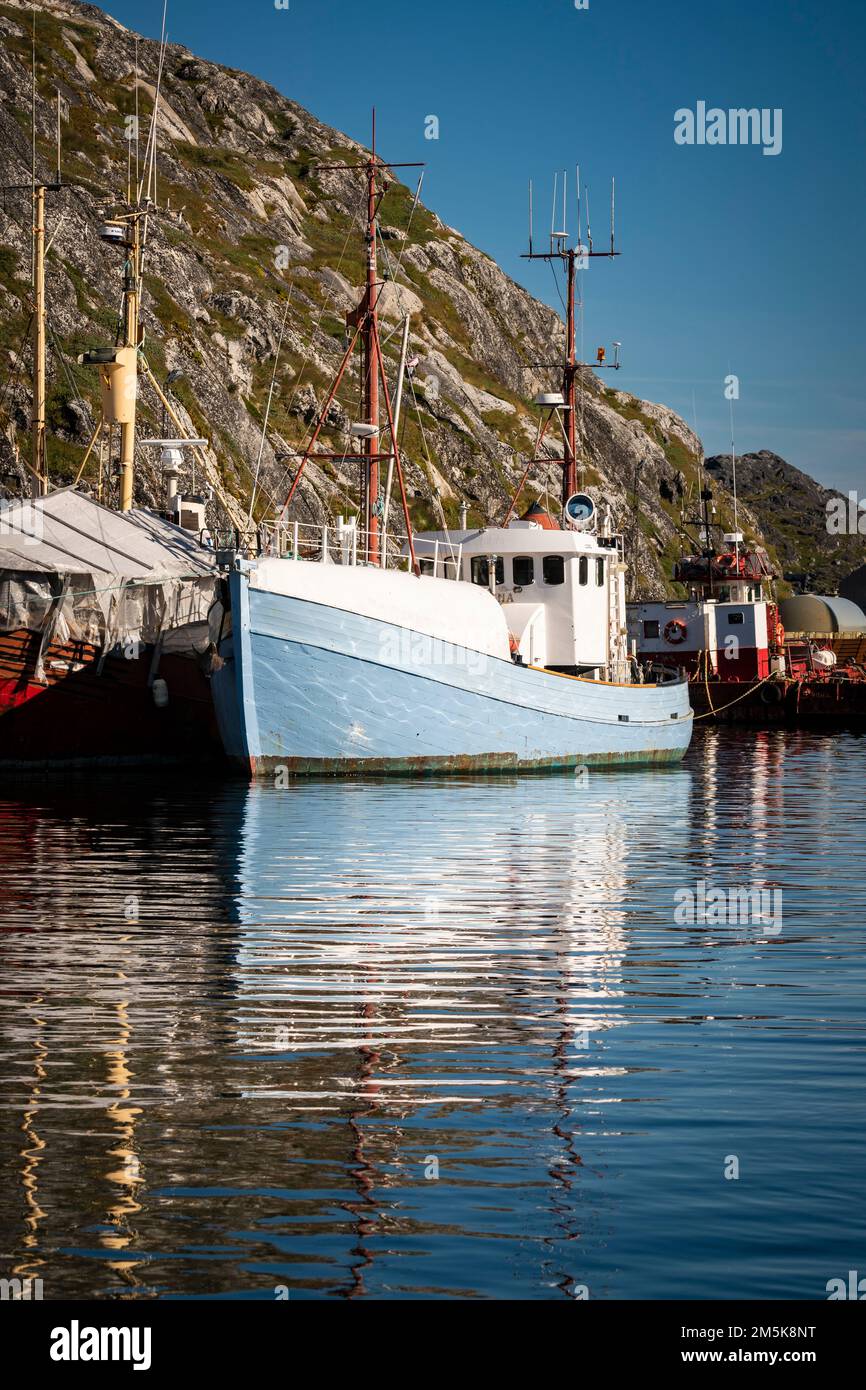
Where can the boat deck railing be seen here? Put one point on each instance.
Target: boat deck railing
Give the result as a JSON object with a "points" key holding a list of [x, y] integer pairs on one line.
{"points": [[344, 543]]}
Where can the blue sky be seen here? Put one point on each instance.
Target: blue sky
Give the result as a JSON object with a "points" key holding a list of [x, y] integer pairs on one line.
{"points": [[733, 261]]}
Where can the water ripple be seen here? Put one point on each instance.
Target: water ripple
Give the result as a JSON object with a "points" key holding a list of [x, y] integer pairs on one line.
{"points": [[440, 1038]]}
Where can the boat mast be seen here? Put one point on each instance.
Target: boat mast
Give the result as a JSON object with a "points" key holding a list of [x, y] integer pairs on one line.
{"points": [[570, 479], [126, 227], [364, 320], [130, 334], [572, 258], [37, 190], [709, 549], [369, 324], [38, 448], [118, 366], [39, 482]]}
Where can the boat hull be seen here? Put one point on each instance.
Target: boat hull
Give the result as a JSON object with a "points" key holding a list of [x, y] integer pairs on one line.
{"points": [[311, 689], [811, 701], [84, 713]]}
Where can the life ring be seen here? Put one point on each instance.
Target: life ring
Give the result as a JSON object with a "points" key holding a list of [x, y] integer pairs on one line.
{"points": [[727, 561], [675, 632]]}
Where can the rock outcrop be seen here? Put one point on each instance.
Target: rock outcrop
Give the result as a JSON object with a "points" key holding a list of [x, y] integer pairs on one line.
{"points": [[798, 519]]}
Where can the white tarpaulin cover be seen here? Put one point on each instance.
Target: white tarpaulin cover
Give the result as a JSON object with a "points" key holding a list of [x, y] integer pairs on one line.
{"points": [[122, 576]]}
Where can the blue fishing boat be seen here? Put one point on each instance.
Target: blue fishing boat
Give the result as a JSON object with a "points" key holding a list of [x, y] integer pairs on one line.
{"points": [[344, 669], [349, 648]]}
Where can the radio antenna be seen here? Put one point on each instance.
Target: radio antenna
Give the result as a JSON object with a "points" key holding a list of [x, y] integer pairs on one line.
{"points": [[577, 177], [612, 200], [588, 228], [530, 217], [553, 209]]}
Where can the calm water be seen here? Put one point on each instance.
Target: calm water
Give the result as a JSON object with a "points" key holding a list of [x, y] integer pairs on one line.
{"points": [[439, 1038]]}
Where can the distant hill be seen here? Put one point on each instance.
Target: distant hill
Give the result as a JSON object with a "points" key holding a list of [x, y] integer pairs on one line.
{"points": [[791, 509]]}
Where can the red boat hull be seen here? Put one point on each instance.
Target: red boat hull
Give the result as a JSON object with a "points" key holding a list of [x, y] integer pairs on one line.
{"points": [[79, 714], [831, 703]]}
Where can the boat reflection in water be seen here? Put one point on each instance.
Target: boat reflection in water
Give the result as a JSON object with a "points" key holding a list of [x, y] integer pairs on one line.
{"points": [[436, 972], [434, 1038]]}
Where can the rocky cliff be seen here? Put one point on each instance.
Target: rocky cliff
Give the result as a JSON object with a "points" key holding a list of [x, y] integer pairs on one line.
{"points": [[253, 235], [793, 511]]}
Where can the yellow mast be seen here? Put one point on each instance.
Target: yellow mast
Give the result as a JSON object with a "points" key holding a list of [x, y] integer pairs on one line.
{"points": [[39, 482], [131, 295]]}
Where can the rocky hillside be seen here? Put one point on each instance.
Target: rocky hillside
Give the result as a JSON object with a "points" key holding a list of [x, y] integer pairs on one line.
{"points": [[252, 232], [792, 509]]}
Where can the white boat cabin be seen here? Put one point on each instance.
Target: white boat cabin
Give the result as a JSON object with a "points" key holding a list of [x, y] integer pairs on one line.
{"points": [[732, 639], [727, 627], [562, 591]]}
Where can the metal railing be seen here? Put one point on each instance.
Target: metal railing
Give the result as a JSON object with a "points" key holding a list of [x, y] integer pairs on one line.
{"points": [[342, 542]]}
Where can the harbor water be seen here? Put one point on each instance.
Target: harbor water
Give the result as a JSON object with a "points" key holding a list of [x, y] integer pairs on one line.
{"points": [[548, 1037]]}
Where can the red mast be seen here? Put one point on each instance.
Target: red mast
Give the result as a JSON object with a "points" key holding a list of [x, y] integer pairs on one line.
{"points": [[568, 256], [365, 322], [371, 376], [569, 463]]}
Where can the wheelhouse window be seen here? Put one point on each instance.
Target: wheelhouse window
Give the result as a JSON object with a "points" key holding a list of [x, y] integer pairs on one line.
{"points": [[481, 570], [651, 628], [553, 568], [735, 619], [582, 570], [523, 570], [599, 573]]}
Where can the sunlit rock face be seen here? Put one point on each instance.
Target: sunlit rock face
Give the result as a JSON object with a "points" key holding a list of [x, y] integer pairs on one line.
{"points": [[248, 218]]}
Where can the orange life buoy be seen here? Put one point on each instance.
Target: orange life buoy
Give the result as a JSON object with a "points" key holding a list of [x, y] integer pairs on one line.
{"points": [[727, 561], [675, 632], [513, 644]]}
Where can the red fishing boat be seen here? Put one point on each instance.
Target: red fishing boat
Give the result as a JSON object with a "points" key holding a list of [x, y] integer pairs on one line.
{"points": [[103, 636], [728, 636]]}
